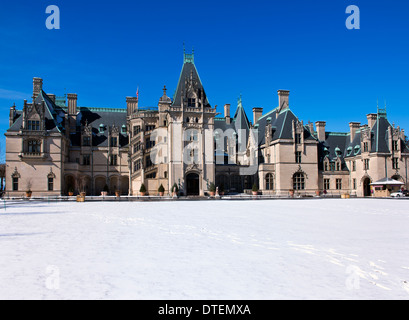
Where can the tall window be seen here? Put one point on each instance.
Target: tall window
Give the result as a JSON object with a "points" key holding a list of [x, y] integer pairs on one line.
{"points": [[136, 130], [269, 182], [338, 184], [50, 183], [298, 138], [299, 181], [15, 183], [326, 184], [298, 157], [366, 164], [113, 160], [114, 141], [338, 166], [366, 148], [354, 165], [395, 163], [86, 159], [354, 184], [394, 145]]}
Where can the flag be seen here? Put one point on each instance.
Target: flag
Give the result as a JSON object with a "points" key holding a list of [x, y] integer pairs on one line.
{"points": [[137, 93]]}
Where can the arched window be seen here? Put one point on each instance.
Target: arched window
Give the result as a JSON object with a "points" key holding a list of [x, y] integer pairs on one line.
{"points": [[269, 181], [299, 181]]}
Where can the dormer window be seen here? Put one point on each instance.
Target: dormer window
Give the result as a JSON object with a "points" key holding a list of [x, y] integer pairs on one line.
{"points": [[86, 141], [101, 128], [191, 102], [33, 125]]}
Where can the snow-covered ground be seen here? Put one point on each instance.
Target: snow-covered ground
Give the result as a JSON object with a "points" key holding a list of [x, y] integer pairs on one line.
{"points": [[270, 249]]}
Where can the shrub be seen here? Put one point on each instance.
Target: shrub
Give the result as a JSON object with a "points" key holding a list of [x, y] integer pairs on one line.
{"points": [[161, 188], [255, 188], [212, 187], [143, 188], [175, 188]]}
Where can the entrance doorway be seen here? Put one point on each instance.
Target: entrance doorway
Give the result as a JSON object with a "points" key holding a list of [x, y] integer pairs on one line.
{"points": [[367, 187], [192, 184]]}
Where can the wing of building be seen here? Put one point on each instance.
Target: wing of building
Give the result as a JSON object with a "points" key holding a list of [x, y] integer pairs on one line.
{"points": [[54, 146]]}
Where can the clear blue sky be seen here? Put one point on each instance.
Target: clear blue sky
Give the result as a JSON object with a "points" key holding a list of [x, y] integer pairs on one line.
{"points": [[106, 49]]}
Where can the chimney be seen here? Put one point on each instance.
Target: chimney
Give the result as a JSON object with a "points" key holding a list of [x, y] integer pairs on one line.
{"points": [[227, 113], [131, 105], [12, 115], [283, 99], [51, 96], [320, 125], [372, 117], [257, 113], [72, 103], [353, 127], [37, 87]]}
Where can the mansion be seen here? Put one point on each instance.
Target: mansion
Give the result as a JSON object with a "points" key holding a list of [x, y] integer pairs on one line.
{"points": [[54, 146]]}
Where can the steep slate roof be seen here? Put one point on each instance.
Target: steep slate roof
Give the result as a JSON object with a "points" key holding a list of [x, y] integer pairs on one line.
{"points": [[102, 116], [281, 124], [188, 70], [54, 115]]}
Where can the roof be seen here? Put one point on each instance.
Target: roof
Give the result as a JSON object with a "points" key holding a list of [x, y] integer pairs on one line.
{"points": [[387, 181], [188, 72]]}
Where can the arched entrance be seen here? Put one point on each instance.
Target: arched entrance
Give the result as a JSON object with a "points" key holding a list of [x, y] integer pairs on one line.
{"points": [[367, 187], [192, 184]]}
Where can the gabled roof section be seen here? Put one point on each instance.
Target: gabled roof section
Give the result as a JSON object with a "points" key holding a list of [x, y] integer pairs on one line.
{"points": [[188, 72]]}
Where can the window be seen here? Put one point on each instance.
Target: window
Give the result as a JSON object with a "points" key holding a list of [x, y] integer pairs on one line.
{"points": [[86, 141], [298, 138], [366, 164], [395, 163], [191, 102], [326, 184], [137, 165], [114, 141], [354, 184], [150, 127], [269, 181], [34, 146], [325, 165], [366, 148], [86, 159], [354, 165], [338, 166], [50, 183], [299, 181], [150, 144], [136, 130], [394, 145], [332, 166], [33, 125], [113, 160], [15, 183], [338, 184], [298, 157]]}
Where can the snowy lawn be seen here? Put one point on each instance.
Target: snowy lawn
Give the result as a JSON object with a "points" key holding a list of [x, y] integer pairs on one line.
{"points": [[281, 249]]}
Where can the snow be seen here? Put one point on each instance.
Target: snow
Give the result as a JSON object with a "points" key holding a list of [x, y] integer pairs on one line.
{"points": [[260, 249]]}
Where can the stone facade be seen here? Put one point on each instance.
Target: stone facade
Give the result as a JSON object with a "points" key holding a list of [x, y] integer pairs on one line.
{"points": [[54, 146]]}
